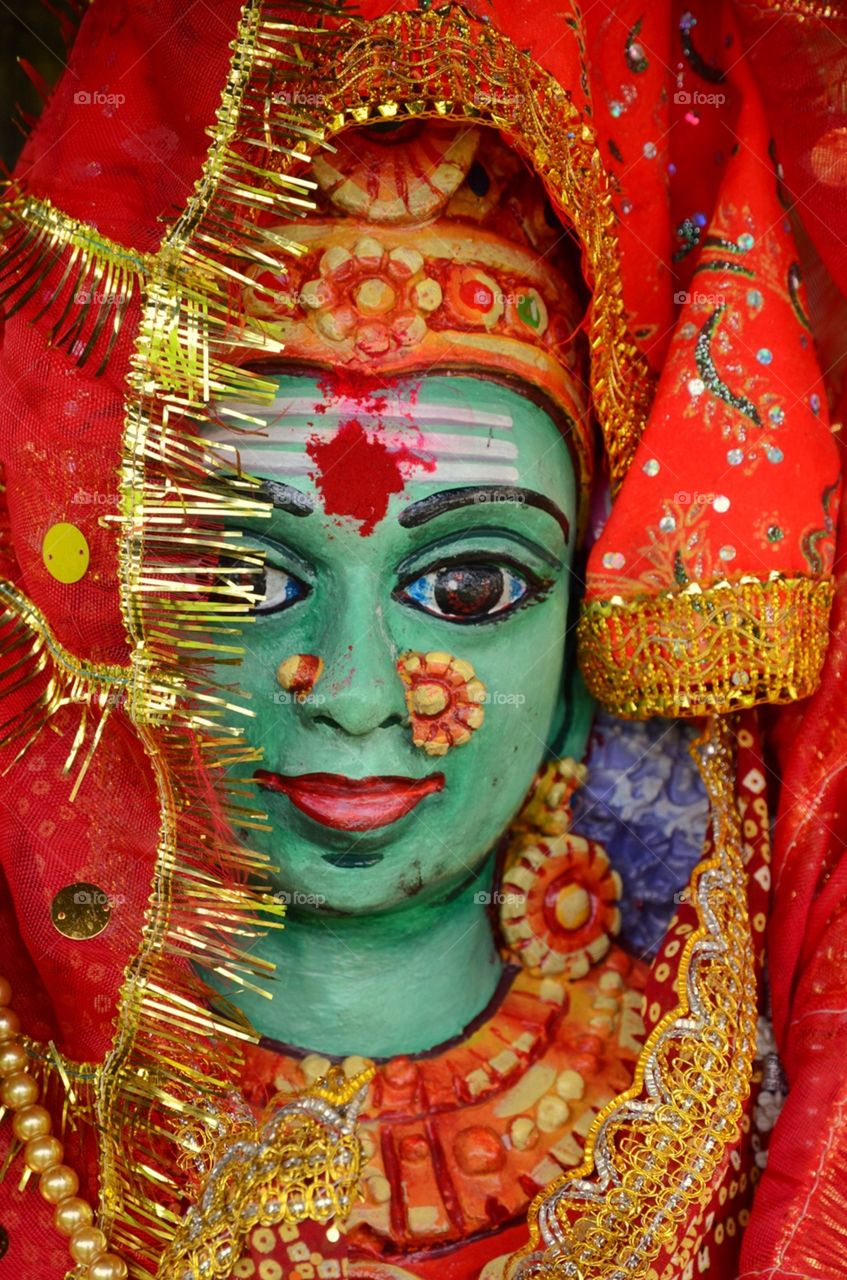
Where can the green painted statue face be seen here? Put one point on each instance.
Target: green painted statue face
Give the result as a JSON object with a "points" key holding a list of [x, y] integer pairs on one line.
{"points": [[428, 523]]}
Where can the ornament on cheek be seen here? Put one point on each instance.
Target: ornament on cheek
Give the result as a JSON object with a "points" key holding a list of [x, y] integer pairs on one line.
{"points": [[299, 674], [444, 697]]}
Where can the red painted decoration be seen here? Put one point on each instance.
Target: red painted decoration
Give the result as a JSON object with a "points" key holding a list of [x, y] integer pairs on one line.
{"points": [[356, 473]]}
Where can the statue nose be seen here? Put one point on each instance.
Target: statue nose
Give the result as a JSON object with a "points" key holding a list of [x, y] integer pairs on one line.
{"points": [[357, 698], [359, 690]]}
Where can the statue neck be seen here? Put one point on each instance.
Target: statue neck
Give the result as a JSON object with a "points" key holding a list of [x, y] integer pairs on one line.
{"points": [[381, 985]]}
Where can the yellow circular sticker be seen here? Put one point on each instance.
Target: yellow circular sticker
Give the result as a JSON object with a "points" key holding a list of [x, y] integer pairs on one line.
{"points": [[65, 552]]}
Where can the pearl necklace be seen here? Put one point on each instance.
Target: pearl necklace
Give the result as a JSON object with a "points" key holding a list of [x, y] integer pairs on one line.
{"points": [[43, 1153]]}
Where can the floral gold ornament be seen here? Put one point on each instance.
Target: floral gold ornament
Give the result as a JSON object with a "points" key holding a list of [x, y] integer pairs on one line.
{"points": [[444, 697], [547, 809], [303, 1163], [558, 894], [560, 909]]}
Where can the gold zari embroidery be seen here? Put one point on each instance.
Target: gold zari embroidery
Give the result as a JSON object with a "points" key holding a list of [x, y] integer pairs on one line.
{"points": [[303, 1163], [693, 653]]}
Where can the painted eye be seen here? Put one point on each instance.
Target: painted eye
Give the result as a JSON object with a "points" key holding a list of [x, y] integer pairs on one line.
{"points": [[466, 592], [276, 590], [273, 589]]}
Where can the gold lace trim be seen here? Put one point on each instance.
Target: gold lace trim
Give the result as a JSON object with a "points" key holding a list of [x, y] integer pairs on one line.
{"points": [[303, 1163], [657, 1151], [701, 652]]}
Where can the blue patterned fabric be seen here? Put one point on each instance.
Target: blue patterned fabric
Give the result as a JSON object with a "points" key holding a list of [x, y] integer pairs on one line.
{"points": [[645, 803]]}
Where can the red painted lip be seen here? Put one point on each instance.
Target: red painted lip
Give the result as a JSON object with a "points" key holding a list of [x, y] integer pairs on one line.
{"points": [[351, 804]]}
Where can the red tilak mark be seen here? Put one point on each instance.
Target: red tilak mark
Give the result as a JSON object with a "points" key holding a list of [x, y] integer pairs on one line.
{"points": [[355, 384], [356, 474]]}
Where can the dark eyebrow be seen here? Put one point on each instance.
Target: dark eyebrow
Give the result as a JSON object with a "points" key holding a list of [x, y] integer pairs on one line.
{"points": [[437, 504], [286, 498]]}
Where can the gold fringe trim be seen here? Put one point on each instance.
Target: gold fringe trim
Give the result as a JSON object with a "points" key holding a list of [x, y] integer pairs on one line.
{"points": [[656, 1151], [703, 652], [88, 280], [29, 648], [174, 1064]]}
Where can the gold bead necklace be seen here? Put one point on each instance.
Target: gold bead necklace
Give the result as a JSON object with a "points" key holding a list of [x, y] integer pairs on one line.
{"points": [[44, 1153]]}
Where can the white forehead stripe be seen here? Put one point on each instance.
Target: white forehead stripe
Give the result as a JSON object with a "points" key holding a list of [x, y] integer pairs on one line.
{"points": [[390, 410], [478, 454]]}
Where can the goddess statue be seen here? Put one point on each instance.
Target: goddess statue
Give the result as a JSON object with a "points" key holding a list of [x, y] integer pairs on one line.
{"points": [[354, 923]]}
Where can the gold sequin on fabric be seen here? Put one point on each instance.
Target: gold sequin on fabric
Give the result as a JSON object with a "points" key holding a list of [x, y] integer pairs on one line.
{"points": [[654, 1152], [81, 911], [699, 652]]}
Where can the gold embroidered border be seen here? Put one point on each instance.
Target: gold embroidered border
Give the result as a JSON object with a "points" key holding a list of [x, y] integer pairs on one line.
{"points": [[694, 653], [656, 1152]]}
